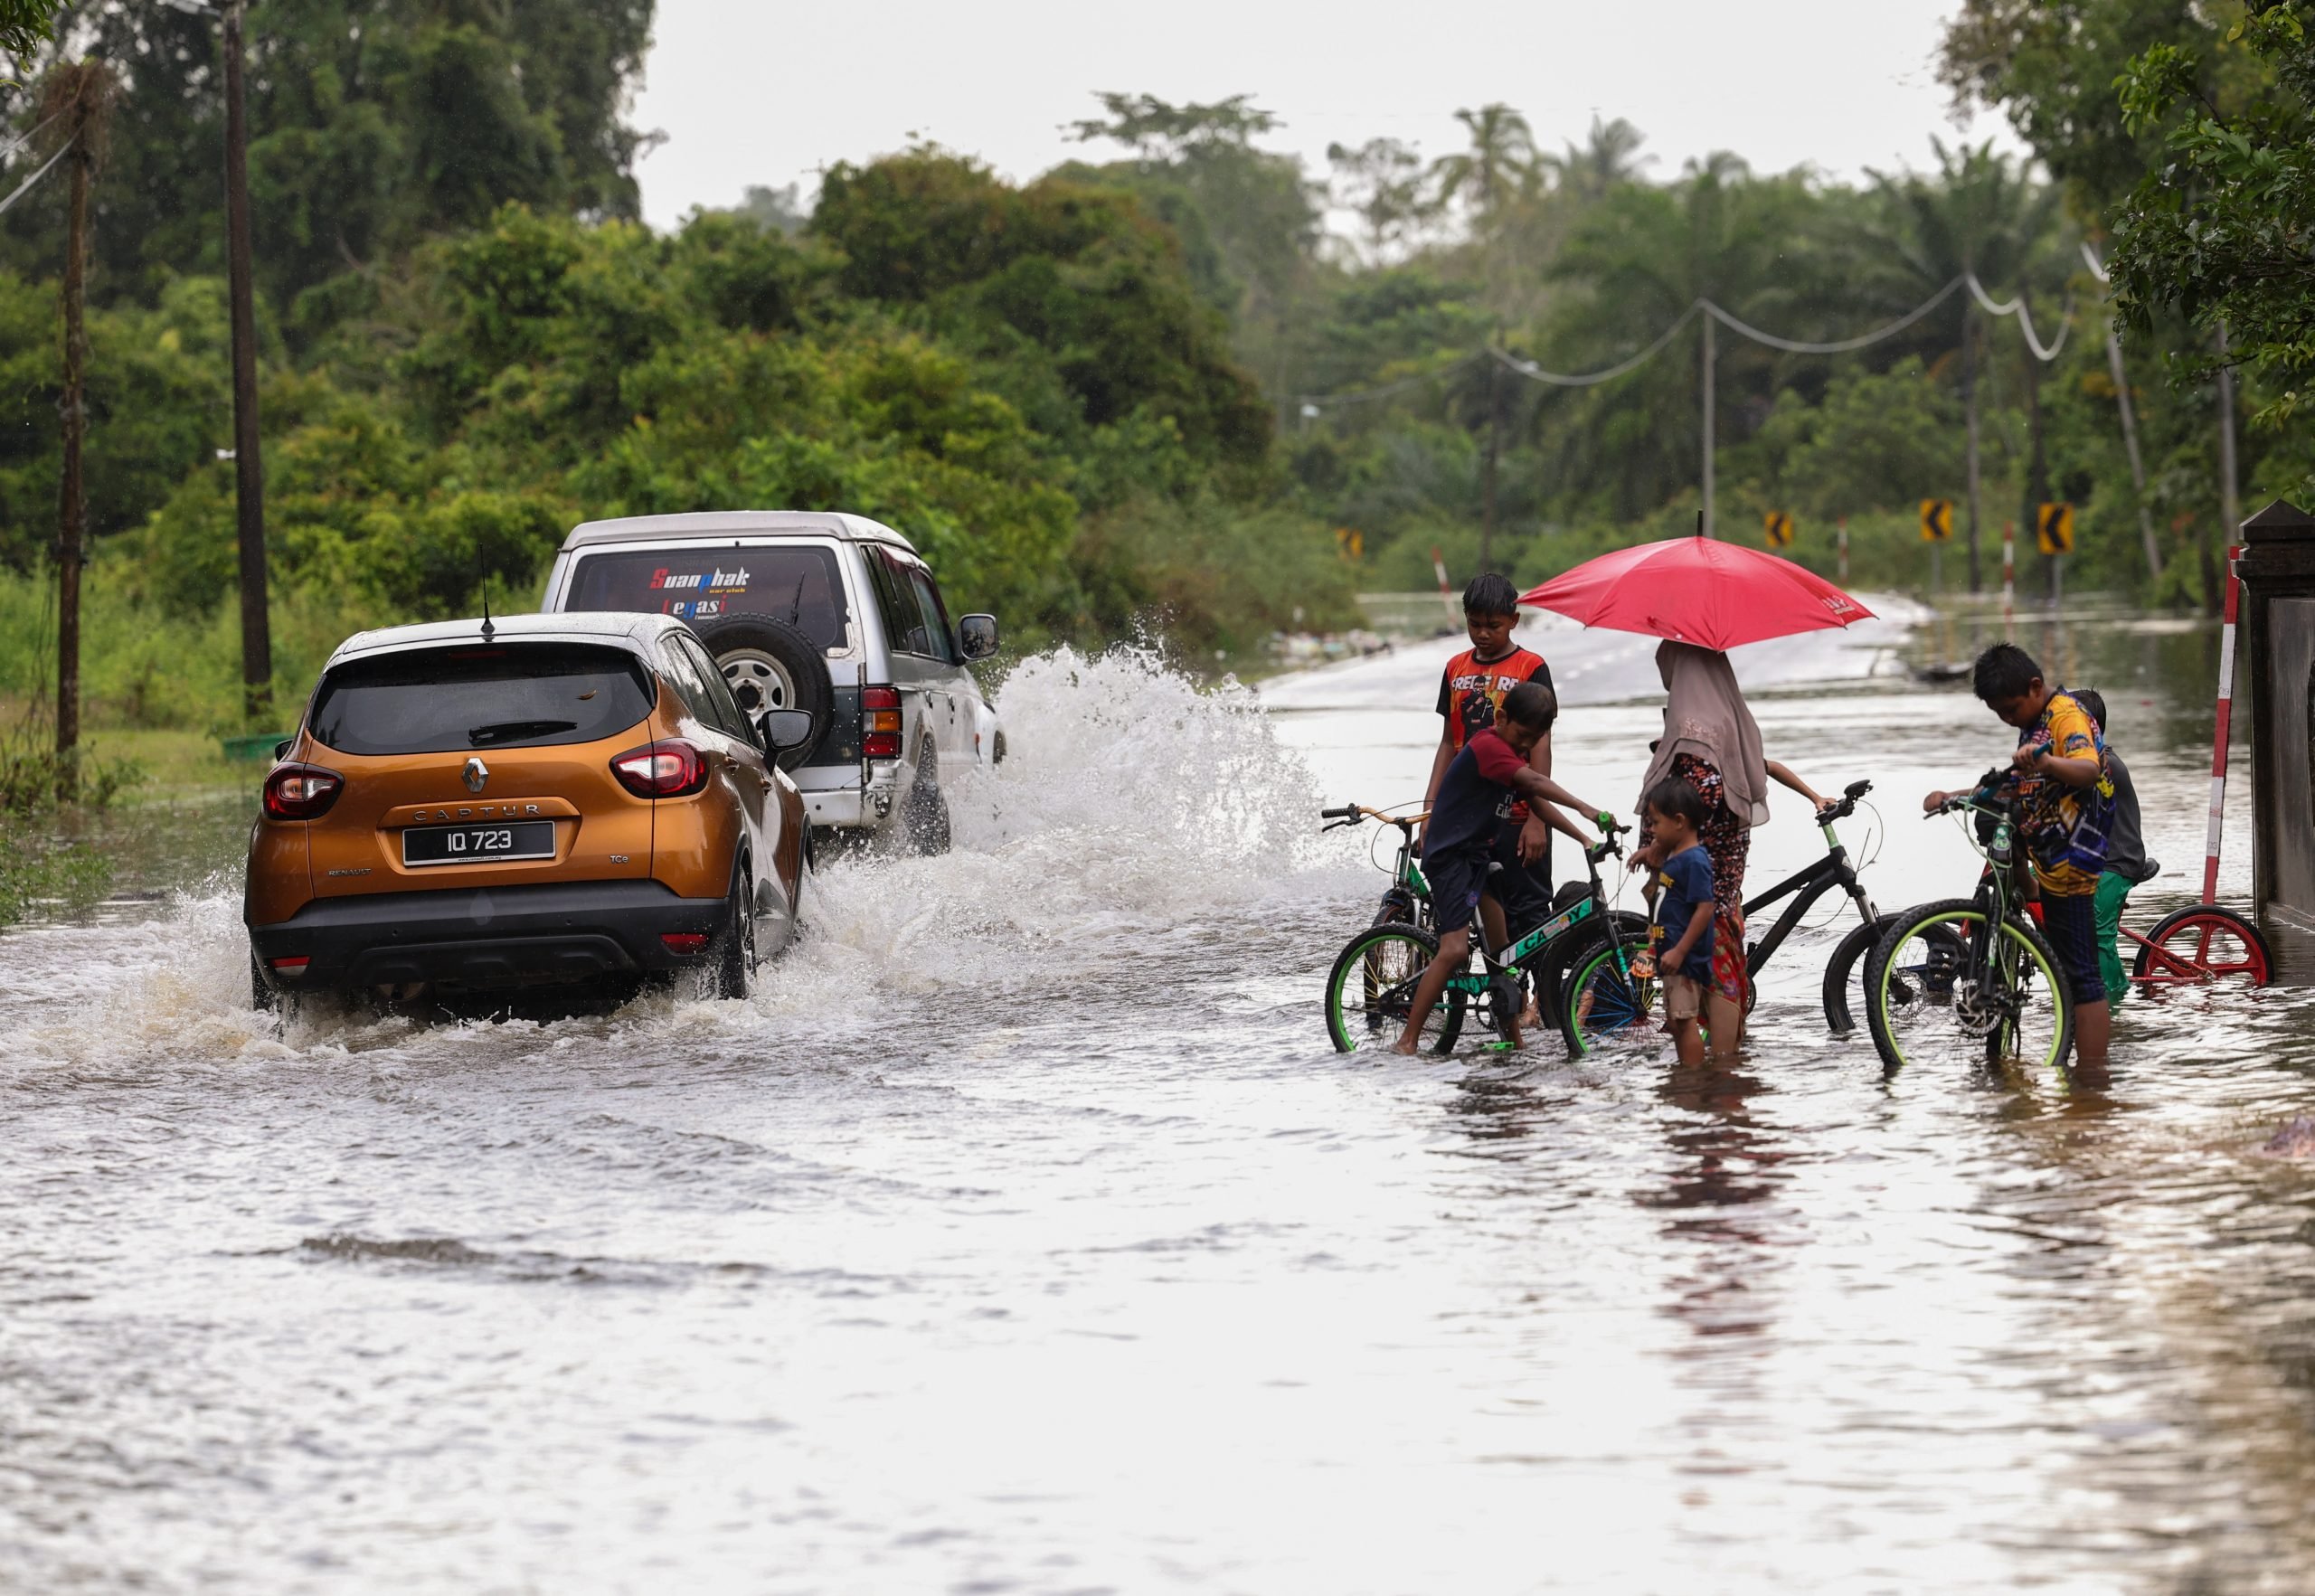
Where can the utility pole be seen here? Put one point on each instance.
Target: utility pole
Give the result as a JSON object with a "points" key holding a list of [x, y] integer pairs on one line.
{"points": [[2130, 446], [1970, 418], [79, 97], [1708, 531], [72, 407], [2230, 504], [1494, 443], [2037, 476], [249, 479]]}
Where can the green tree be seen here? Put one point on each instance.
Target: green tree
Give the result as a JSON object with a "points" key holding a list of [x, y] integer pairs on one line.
{"points": [[2221, 230]]}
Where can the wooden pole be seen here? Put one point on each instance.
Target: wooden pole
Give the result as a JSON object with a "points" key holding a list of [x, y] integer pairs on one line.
{"points": [[2129, 445], [1707, 527], [72, 407], [1969, 433], [249, 479], [1494, 444], [2230, 503]]}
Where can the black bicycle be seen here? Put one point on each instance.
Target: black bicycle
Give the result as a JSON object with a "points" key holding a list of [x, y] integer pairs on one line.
{"points": [[1370, 991], [1833, 873]]}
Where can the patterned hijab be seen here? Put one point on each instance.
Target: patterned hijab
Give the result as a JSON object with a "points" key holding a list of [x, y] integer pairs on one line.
{"points": [[1705, 715]]}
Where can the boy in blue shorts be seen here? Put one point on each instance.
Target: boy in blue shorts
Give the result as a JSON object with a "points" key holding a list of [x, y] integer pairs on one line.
{"points": [[1680, 942], [1474, 798], [2068, 796]]}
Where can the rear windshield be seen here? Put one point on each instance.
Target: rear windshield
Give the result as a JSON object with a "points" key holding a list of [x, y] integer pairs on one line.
{"points": [[795, 582], [485, 696]]}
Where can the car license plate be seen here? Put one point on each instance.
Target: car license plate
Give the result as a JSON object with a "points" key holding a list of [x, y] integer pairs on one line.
{"points": [[469, 845]]}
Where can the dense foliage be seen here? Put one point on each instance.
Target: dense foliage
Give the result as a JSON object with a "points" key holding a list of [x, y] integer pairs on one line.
{"points": [[1144, 388]]}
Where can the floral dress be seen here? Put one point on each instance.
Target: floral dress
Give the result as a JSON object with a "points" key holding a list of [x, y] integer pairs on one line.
{"points": [[1727, 842]]}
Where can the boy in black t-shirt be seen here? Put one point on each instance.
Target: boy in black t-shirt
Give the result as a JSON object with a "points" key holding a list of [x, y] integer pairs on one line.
{"points": [[1474, 796]]}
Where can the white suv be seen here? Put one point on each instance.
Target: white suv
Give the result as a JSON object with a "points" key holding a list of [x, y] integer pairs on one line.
{"points": [[829, 613]]}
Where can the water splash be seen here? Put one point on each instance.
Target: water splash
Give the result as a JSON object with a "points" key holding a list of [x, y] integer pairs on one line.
{"points": [[1132, 801]]}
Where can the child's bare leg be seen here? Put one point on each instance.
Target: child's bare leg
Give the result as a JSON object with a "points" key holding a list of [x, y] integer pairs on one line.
{"points": [[1453, 949], [1687, 1042], [1726, 1017]]}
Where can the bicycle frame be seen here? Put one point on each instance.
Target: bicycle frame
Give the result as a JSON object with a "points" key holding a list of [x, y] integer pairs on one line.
{"points": [[1827, 874], [1516, 953]]}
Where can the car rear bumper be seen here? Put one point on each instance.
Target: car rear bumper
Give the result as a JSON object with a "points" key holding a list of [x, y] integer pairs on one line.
{"points": [[550, 934], [851, 804]]}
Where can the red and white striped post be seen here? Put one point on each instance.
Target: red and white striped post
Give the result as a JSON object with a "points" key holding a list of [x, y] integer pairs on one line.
{"points": [[2009, 572], [1446, 593], [2225, 720], [1843, 540]]}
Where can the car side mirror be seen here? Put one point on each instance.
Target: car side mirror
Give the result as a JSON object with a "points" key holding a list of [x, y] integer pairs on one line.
{"points": [[782, 730], [977, 636]]}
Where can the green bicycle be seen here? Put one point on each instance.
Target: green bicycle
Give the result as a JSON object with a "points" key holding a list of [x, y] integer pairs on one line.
{"points": [[1972, 978], [1370, 990]]}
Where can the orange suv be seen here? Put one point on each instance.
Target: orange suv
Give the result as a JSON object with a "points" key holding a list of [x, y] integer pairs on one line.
{"points": [[539, 800]]}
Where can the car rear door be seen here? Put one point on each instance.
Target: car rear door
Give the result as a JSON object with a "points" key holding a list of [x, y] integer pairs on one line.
{"points": [[478, 765], [917, 668]]}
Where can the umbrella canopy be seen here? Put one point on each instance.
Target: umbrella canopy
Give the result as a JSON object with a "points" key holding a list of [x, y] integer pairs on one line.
{"points": [[1698, 590]]}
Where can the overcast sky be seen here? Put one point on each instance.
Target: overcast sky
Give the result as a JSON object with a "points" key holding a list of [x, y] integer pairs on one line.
{"points": [[751, 93]]}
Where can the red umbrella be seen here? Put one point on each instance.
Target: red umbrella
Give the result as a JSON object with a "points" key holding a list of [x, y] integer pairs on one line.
{"points": [[1698, 590]]}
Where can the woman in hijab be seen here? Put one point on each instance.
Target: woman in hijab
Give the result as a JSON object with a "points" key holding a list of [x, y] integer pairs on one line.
{"points": [[1712, 743]]}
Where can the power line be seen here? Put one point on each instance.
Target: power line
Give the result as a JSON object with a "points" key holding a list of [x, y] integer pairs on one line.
{"points": [[25, 186], [1839, 347], [1535, 373]]}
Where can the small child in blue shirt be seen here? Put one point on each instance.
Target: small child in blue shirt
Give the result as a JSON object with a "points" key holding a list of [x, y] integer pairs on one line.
{"points": [[1683, 933]]}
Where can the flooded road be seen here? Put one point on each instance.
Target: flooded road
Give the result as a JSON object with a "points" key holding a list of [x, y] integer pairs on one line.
{"points": [[1027, 1235]]}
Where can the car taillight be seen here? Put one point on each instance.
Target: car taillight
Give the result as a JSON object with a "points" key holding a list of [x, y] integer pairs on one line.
{"points": [[670, 767], [301, 792], [880, 723], [684, 942]]}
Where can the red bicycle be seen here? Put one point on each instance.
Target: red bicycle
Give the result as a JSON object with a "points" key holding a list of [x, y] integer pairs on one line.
{"points": [[2199, 945]]}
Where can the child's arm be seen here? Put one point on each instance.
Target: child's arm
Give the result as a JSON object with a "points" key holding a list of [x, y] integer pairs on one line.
{"points": [[1783, 773], [1699, 918], [1550, 815], [1532, 785], [2038, 761]]}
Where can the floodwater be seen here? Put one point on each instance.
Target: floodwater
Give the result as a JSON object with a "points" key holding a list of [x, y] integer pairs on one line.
{"points": [[1025, 1233]]}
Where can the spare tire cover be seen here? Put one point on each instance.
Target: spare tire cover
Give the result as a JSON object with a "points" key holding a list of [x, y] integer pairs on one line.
{"points": [[771, 665]]}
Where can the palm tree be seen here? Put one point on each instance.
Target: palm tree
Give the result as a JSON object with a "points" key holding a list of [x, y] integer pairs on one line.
{"points": [[1500, 161], [1609, 158], [1979, 212]]}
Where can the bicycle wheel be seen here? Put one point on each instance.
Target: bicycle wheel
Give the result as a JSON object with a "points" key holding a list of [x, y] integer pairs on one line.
{"points": [[1552, 968], [1942, 994], [2215, 944], [1606, 1006], [1842, 968], [1371, 991]]}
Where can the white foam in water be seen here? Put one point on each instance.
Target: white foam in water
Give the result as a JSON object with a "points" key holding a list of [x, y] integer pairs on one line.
{"points": [[1129, 799]]}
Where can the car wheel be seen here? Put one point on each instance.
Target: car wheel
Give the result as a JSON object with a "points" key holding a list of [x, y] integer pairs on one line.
{"points": [[924, 812], [262, 997], [733, 970], [771, 665]]}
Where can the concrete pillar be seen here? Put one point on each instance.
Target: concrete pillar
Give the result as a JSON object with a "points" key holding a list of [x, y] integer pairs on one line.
{"points": [[2277, 669]]}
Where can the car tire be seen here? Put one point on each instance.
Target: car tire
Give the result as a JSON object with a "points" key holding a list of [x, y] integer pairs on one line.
{"points": [[771, 665], [924, 812], [733, 970]]}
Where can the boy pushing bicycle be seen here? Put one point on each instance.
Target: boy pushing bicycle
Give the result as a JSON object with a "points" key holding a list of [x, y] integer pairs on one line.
{"points": [[1472, 803], [2061, 776]]}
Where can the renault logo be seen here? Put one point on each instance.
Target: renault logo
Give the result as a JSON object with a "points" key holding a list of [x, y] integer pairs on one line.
{"points": [[476, 773]]}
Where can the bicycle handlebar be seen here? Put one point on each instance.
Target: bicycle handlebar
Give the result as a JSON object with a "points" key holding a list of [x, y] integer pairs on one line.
{"points": [[1352, 814]]}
